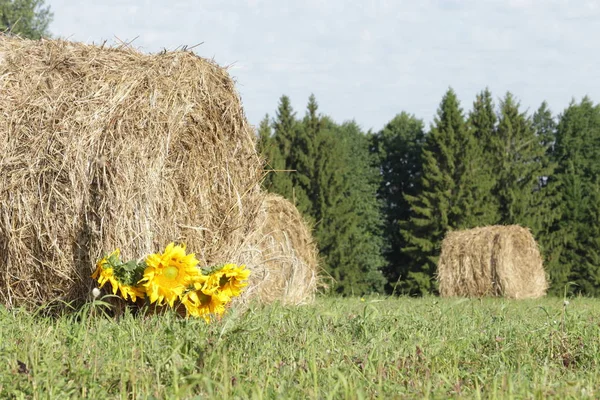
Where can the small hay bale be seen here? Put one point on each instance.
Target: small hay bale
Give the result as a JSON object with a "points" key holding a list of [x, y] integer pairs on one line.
{"points": [[106, 148], [491, 261], [282, 255]]}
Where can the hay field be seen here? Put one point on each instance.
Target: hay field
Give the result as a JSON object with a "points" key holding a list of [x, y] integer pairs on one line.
{"points": [[335, 348]]}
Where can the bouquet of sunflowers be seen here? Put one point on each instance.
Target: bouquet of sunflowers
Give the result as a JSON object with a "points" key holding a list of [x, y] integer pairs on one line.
{"points": [[173, 278]]}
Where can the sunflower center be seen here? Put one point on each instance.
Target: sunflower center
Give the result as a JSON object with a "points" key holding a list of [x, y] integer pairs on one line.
{"points": [[204, 298], [171, 272], [224, 280]]}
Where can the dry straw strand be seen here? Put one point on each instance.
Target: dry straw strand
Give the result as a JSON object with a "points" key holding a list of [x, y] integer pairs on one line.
{"points": [[491, 261]]}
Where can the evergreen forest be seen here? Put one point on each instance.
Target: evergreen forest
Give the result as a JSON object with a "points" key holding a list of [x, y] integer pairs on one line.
{"points": [[381, 202]]}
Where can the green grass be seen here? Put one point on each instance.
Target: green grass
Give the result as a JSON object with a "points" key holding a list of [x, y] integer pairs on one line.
{"points": [[336, 348]]}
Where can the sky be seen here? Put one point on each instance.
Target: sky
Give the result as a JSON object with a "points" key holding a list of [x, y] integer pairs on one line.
{"points": [[365, 60]]}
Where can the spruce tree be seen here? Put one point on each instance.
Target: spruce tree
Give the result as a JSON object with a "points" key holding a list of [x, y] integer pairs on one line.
{"points": [[285, 129], [273, 159], [544, 129], [482, 120], [330, 206], [398, 148], [329, 171], [587, 274], [264, 141], [365, 248], [576, 152], [450, 196], [548, 193], [578, 138], [348, 218], [521, 160], [482, 124], [568, 232], [544, 126], [303, 155]]}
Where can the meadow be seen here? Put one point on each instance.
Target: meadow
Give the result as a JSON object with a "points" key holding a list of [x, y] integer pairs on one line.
{"points": [[336, 348]]}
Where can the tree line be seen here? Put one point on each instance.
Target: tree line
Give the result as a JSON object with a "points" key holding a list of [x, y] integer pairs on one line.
{"points": [[381, 202]]}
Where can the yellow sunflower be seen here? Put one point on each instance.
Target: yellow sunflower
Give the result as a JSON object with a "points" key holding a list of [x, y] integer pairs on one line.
{"points": [[105, 273], [200, 302], [134, 292], [167, 275], [229, 279]]}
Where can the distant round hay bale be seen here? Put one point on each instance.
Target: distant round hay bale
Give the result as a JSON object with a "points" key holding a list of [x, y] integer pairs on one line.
{"points": [[282, 255], [106, 148], [491, 261]]}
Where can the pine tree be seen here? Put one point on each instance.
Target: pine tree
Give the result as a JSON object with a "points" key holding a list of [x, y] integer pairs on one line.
{"points": [[398, 148], [450, 196]]}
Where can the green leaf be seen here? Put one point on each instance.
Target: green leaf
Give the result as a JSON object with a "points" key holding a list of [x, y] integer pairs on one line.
{"points": [[212, 270], [130, 265], [113, 260]]}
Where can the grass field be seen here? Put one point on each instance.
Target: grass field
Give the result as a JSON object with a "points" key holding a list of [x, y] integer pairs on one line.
{"points": [[335, 348]]}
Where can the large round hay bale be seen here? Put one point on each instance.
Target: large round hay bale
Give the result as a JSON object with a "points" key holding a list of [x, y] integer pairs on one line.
{"points": [[282, 255], [491, 261], [108, 147]]}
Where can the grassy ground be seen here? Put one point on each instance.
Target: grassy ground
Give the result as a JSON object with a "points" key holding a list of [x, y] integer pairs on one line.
{"points": [[336, 348]]}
